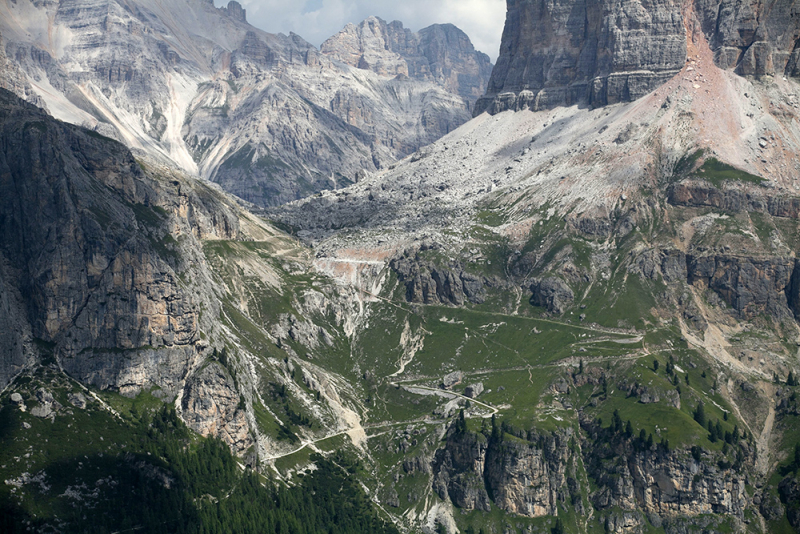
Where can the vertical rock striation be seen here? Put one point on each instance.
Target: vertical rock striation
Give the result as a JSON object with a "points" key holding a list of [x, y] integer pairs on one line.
{"points": [[568, 52]]}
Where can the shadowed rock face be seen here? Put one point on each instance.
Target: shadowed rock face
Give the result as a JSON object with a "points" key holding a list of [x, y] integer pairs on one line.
{"points": [[567, 52], [88, 258], [92, 250]]}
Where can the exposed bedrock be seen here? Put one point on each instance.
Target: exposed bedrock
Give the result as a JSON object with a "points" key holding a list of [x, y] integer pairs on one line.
{"points": [[526, 479], [213, 406], [90, 241], [700, 194], [427, 283], [93, 249], [440, 53], [751, 286], [567, 52]]}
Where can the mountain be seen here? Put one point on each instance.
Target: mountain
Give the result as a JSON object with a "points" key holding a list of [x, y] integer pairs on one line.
{"points": [[663, 208], [573, 318], [600, 53], [268, 117], [441, 53]]}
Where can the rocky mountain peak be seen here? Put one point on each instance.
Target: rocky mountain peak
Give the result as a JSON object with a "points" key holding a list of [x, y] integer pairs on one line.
{"points": [[372, 45], [440, 53], [236, 11], [194, 84], [597, 53]]}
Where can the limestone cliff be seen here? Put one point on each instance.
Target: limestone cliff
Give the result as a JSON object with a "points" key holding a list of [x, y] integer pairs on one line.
{"points": [[568, 52], [102, 267], [527, 477], [440, 53]]}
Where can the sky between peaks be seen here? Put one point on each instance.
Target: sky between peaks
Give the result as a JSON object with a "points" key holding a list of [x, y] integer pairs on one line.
{"points": [[316, 20]]}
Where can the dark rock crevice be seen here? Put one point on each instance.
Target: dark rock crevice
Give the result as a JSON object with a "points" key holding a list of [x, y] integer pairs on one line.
{"points": [[793, 290]]}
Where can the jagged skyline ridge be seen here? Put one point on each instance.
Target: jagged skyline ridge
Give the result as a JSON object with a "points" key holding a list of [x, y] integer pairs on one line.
{"points": [[316, 20]]}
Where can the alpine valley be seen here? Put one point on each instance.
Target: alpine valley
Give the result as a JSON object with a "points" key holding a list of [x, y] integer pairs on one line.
{"points": [[249, 285]]}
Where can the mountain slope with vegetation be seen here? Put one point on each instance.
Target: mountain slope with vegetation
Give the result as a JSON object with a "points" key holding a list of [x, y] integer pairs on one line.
{"points": [[567, 319]]}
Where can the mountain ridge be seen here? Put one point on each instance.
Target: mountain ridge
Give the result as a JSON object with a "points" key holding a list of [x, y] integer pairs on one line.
{"points": [[572, 319], [440, 53], [202, 74]]}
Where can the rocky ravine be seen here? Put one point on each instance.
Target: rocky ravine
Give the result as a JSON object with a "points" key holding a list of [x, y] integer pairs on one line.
{"points": [[267, 116]]}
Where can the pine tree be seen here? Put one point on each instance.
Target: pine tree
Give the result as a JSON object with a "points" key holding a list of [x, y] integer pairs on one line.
{"points": [[497, 433], [461, 423], [628, 429], [616, 422], [700, 414], [712, 432], [797, 456], [791, 381], [655, 366]]}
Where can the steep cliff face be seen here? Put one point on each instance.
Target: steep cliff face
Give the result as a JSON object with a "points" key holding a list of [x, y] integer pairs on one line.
{"points": [[529, 480], [440, 53], [670, 485], [537, 475], [698, 194], [597, 53], [103, 271], [214, 407], [427, 283], [459, 471], [13, 79], [525, 478], [751, 286], [753, 38]]}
